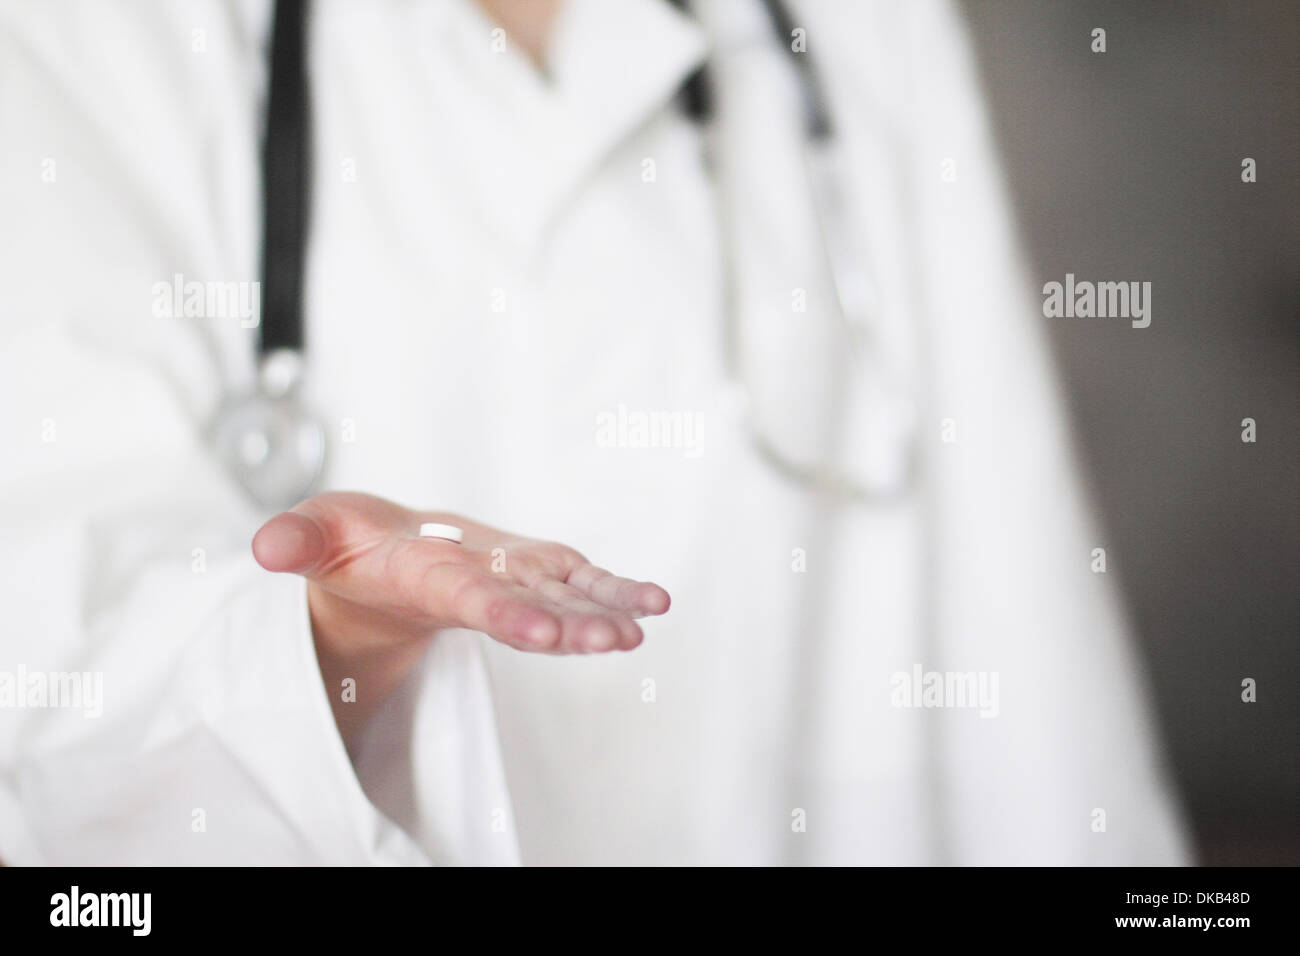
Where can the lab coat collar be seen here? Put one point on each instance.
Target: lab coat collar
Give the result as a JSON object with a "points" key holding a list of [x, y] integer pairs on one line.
{"points": [[609, 68], [613, 64]]}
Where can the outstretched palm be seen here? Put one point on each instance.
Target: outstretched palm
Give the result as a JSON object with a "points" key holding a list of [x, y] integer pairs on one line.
{"points": [[364, 552]]}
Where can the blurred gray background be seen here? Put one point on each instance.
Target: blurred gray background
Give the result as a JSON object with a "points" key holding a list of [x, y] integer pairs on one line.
{"points": [[1127, 166]]}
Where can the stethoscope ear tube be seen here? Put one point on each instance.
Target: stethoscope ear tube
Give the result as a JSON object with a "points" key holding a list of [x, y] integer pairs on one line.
{"points": [[286, 172]]}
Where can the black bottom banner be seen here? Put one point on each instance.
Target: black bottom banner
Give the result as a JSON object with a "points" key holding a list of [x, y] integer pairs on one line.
{"points": [[1140, 906]]}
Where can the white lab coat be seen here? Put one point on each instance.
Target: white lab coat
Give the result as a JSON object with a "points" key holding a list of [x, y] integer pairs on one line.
{"points": [[496, 261]]}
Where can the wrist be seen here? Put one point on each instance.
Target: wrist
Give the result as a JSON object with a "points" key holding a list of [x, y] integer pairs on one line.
{"points": [[363, 656]]}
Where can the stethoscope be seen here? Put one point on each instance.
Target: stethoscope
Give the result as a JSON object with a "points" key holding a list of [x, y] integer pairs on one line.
{"points": [[272, 444], [275, 446]]}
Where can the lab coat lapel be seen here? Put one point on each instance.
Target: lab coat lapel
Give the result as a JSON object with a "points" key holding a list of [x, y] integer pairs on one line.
{"points": [[537, 135], [779, 284], [614, 66]]}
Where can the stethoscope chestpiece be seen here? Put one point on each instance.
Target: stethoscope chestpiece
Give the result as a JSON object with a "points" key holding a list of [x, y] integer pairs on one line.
{"points": [[269, 441]]}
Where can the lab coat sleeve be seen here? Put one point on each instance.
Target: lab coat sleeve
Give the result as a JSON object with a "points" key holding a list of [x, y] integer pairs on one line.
{"points": [[1067, 768], [203, 732]]}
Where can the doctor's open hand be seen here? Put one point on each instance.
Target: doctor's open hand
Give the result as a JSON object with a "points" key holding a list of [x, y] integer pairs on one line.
{"points": [[378, 593]]}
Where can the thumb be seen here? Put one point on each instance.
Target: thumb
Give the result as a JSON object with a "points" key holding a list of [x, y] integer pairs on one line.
{"points": [[289, 542]]}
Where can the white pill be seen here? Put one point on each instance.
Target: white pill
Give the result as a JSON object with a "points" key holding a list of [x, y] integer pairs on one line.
{"points": [[448, 532]]}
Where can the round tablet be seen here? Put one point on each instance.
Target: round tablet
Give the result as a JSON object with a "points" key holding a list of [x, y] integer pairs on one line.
{"points": [[448, 532]]}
